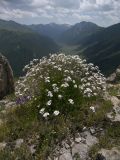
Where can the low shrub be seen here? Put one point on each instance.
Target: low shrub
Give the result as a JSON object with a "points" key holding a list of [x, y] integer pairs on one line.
{"points": [[60, 84]]}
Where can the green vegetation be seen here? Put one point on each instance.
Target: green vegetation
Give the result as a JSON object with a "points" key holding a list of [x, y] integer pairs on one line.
{"points": [[25, 122], [23, 154], [111, 136], [21, 47], [114, 90], [103, 49], [98, 45]]}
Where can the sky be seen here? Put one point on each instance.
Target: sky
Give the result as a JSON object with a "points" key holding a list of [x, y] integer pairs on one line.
{"points": [[101, 12]]}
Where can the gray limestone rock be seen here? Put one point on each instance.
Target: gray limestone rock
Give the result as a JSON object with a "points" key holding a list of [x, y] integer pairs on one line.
{"points": [[6, 77], [113, 154]]}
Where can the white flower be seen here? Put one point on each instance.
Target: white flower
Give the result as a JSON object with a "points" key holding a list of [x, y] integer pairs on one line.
{"points": [[71, 72], [87, 90], [54, 85], [81, 87], [60, 96], [42, 111], [87, 73], [65, 85], [55, 67], [35, 60], [73, 81], [66, 71], [88, 84], [68, 79], [47, 79], [50, 94], [56, 113], [53, 63], [98, 88], [37, 69], [75, 86], [104, 89], [38, 106], [49, 103], [45, 115], [92, 108], [70, 101], [55, 89], [59, 69]]}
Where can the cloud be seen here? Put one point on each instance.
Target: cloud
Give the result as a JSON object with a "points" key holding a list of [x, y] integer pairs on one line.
{"points": [[102, 12], [71, 4], [40, 3]]}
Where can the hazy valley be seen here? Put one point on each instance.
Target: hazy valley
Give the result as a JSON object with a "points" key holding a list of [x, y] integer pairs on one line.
{"points": [[22, 43]]}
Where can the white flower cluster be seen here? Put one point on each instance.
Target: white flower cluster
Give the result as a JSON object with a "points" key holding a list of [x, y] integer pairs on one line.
{"points": [[58, 73], [46, 114]]}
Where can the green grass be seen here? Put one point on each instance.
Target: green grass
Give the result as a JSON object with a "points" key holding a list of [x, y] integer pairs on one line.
{"points": [[23, 154], [114, 90]]}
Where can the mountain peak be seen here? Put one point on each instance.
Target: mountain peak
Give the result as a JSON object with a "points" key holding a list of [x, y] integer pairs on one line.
{"points": [[85, 24], [78, 32], [13, 26]]}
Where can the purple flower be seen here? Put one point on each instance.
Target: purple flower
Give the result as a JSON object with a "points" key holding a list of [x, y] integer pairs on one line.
{"points": [[22, 100]]}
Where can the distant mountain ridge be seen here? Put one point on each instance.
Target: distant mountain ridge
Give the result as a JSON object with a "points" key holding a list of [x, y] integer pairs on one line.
{"points": [[97, 44], [78, 32], [103, 48], [20, 44], [13, 26], [51, 30]]}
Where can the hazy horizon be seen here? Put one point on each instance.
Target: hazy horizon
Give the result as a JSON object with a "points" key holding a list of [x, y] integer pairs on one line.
{"points": [[57, 23]]}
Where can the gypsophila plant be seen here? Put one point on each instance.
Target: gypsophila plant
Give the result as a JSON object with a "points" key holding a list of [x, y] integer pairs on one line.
{"points": [[60, 84]]}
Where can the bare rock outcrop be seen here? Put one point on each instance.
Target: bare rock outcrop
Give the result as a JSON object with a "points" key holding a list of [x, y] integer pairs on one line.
{"points": [[113, 154], [77, 148], [6, 77], [114, 77], [114, 115]]}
